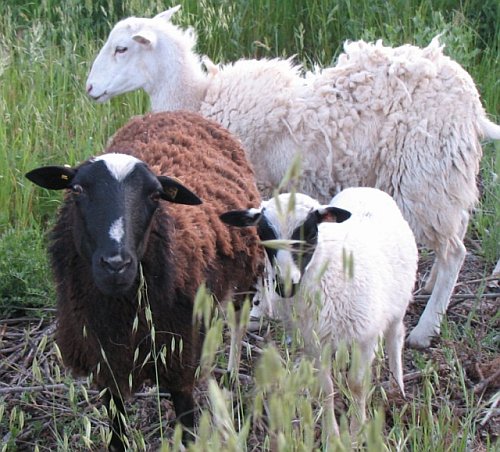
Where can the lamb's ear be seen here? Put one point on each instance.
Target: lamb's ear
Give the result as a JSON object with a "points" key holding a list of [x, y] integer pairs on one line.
{"points": [[242, 218], [167, 15], [332, 214], [145, 37], [52, 177], [175, 192]]}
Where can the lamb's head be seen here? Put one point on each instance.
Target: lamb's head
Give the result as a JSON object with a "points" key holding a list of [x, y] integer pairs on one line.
{"points": [[288, 226], [113, 199], [136, 51]]}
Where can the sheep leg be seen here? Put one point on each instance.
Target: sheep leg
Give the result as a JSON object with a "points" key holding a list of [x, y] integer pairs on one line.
{"points": [[431, 280], [449, 260], [436, 266], [356, 381], [429, 324], [116, 416], [184, 409], [237, 333], [394, 338], [326, 384]]}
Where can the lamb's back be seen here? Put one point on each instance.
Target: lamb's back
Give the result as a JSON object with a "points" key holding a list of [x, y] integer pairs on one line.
{"points": [[370, 263]]}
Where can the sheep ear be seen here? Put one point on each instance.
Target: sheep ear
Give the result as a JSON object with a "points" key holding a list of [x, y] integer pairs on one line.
{"points": [[175, 192], [52, 177], [167, 15], [332, 214], [241, 218], [145, 37]]}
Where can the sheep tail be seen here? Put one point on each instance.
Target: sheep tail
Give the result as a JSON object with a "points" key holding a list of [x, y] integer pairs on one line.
{"points": [[491, 131]]}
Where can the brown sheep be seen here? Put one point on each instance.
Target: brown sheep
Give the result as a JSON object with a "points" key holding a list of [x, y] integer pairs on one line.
{"points": [[112, 223]]}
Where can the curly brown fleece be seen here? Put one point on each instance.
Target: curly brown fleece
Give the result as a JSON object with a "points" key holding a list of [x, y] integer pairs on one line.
{"points": [[206, 159], [185, 247]]}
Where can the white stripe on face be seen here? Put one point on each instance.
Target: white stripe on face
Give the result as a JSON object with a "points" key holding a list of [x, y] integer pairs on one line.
{"points": [[117, 230], [287, 267], [119, 165]]}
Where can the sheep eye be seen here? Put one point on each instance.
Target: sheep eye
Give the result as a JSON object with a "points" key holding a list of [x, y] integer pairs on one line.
{"points": [[77, 189], [155, 196], [120, 49]]}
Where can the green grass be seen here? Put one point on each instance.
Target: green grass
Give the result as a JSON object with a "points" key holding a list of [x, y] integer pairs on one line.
{"points": [[46, 48], [24, 270]]}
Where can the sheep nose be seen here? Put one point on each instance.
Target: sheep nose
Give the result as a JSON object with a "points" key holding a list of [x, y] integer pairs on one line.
{"points": [[115, 264], [89, 88]]}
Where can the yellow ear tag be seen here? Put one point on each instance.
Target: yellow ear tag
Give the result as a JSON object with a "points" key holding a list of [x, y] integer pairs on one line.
{"points": [[171, 192], [64, 177]]}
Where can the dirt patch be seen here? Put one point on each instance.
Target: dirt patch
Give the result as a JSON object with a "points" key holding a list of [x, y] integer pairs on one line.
{"points": [[462, 366]]}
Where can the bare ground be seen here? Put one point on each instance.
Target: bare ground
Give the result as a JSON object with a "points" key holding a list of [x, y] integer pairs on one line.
{"points": [[30, 379]]}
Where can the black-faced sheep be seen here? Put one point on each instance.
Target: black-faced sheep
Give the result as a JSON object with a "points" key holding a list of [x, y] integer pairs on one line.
{"points": [[407, 120], [334, 302], [113, 227]]}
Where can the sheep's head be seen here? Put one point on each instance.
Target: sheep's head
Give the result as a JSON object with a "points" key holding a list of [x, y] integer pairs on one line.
{"points": [[130, 56], [114, 198], [288, 227]]}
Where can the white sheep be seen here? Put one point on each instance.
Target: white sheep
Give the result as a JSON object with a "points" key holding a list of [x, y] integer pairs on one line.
{"points": [[333, 303], [407, 120]]}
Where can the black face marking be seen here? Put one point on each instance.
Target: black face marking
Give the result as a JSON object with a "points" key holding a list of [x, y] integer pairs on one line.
{"points": [[307, 234], [112, 201], [103, 201], [282, 291], [266, 231]]}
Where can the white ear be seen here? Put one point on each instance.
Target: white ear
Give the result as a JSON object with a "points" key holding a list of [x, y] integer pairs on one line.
{"points": [[166, 15], [145, 37]]}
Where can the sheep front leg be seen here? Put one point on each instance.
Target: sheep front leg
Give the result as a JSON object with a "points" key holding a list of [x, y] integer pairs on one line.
{"points": [[431, 279], [429, 325], [116, 412], [184, 409], [237, 333]]}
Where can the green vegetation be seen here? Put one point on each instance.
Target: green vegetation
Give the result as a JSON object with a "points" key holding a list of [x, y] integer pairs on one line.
{"points": [[46, 48]]}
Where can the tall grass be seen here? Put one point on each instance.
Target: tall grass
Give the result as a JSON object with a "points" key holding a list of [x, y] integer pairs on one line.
{"points": [[46, 48]]}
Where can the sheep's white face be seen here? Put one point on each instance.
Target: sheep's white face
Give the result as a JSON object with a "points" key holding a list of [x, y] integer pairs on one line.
{"points": [[292, 220], [132, 57], [123, 63], [286, 215]]}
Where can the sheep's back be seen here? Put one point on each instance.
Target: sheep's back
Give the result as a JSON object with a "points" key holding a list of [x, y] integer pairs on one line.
{"points": [[403, 119], [372, 262], [234, 99], [211, 163]]}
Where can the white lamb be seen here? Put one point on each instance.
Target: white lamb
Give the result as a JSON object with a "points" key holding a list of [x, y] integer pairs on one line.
{"points": [[332, 303], [406, 120]]}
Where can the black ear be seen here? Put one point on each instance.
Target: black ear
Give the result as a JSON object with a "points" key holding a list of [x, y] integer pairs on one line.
{"points": [[52, 177], [332, 214], [175, 192], [241, 218]]}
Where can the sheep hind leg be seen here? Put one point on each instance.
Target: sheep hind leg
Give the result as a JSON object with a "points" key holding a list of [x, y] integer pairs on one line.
{"points": [[184, 409], [116, 411], [450, 262], [326, 384], [357, 377], [394, 339]]}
